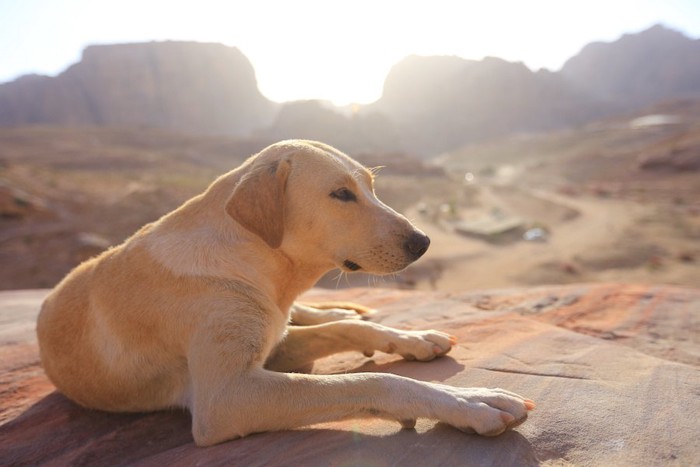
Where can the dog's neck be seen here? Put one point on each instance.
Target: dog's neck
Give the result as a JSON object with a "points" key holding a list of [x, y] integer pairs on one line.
{"points": [[282, 278], [204, 249], [210, 243]]}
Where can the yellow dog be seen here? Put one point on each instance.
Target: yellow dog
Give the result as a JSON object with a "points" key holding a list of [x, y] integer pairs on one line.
{"points": [[194, 309]]}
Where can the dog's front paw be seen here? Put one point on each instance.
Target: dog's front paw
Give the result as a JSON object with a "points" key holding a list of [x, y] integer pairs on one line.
{"points": [[488, 412], [420, 345]]}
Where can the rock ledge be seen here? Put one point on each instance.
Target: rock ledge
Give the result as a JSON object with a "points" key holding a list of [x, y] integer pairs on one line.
{"points": [[613, 368]]}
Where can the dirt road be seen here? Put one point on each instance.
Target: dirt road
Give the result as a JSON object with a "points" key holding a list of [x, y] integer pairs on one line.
{"points": [[471, 264]]}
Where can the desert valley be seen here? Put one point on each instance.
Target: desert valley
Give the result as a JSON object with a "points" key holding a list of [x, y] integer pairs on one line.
{"points": [[617, 200]]}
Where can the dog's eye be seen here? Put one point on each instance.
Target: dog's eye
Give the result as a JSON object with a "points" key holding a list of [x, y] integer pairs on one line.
{"points": [[343, 194]]}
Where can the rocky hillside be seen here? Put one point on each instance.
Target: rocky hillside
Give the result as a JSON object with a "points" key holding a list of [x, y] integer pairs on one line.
{"points": [[195, 87], [318, 120], [638, 69], [439, 103], [68, 193]]}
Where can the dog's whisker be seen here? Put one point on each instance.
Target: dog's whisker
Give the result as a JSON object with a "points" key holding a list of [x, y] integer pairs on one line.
{"points": [[338, 278]]}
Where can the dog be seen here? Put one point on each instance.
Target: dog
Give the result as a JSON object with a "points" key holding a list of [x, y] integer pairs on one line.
{"points": [[194, 309]]}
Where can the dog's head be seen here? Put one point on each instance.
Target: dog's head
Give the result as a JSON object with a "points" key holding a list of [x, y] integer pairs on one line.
{"points": [[318, 206]]}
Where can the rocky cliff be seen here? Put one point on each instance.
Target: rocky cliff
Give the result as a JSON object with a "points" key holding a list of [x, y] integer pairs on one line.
{"points": [[194, 87], [638, 69], [440, 103]]}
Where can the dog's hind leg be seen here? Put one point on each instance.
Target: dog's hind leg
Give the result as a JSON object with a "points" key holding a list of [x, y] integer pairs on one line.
{"points": [[303, 345]]}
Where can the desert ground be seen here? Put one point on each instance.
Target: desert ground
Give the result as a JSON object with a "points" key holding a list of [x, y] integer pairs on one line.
{"points": [[616, 201]]}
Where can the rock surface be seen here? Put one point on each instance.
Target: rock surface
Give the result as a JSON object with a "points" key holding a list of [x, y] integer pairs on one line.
{"points": [[613, 368]]}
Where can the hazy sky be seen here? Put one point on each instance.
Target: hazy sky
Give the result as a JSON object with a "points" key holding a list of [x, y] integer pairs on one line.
{"points": [[340, 50]]}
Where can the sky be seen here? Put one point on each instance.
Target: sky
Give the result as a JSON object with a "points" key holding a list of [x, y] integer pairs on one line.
{"points": [[336, 50]]}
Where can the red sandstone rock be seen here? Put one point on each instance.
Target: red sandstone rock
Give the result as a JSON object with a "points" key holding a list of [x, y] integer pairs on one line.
{"points": [[613, 368]]}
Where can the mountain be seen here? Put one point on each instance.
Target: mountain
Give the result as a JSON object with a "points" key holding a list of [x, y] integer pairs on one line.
{"points": [[638, 69], [195, 87], [439, 103], [350, 130], [429, 105]]}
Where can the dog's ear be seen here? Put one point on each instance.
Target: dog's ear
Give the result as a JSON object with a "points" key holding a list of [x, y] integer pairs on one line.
{"points": [[257, 202]]}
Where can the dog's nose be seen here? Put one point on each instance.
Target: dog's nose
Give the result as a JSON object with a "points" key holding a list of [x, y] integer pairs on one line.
{"points": [[416, 245]]}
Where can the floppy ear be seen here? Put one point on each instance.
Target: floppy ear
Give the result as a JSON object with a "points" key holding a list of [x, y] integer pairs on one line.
{"points": [[257, 202]]}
